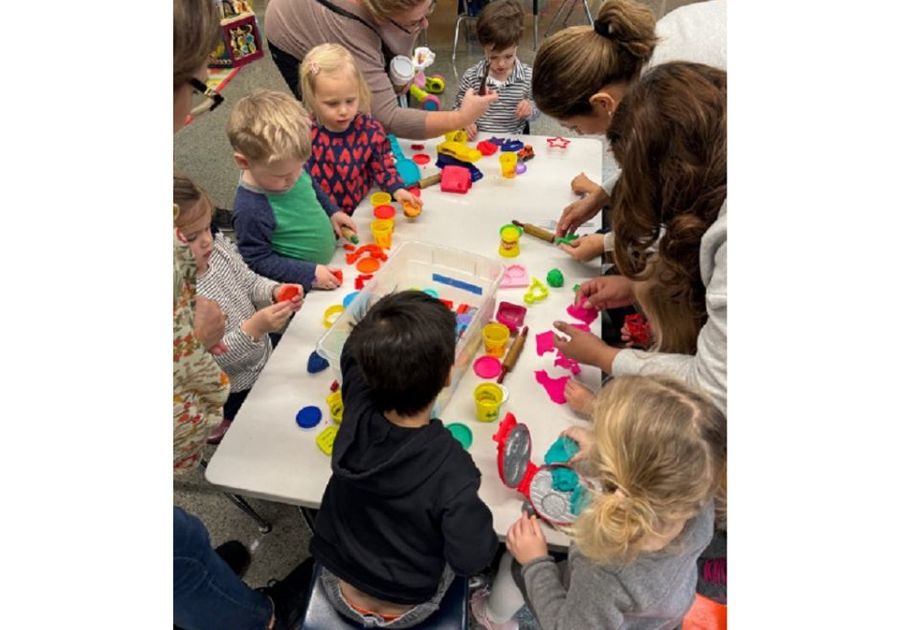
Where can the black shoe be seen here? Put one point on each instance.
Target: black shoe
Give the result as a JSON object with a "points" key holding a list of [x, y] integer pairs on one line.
{"points": [[235, 555], [290, 594]]}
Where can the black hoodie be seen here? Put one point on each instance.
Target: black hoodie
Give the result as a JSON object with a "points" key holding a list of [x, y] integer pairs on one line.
{"points": [[401, 503]]}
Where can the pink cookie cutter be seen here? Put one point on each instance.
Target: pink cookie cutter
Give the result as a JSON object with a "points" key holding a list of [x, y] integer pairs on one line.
{"points": [[514, 276], [511, 315], [555, 387]]}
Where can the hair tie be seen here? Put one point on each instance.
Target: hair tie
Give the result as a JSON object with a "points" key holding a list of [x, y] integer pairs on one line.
{"points": [[601, 28]]}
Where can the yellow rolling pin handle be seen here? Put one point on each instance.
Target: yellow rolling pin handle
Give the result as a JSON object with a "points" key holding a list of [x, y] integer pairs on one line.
{"points": [[535, 231], [513, 355]]}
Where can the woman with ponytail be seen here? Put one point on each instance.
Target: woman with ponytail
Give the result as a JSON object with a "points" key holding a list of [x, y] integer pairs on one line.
{"points": [[581, 74], [656, 454]]}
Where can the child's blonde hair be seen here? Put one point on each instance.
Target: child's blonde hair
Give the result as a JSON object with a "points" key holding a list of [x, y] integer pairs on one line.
{"points": [[574, 63], [659, 455], [187, 197], [266, 126], [331, 59]]}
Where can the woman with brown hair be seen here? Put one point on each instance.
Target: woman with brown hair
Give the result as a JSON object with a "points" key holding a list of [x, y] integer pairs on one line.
{"points": [[374, 31], [582, 73], [669, 217]]}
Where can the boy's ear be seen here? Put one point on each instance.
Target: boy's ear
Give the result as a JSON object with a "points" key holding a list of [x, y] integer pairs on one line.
{"points": [[602, 102], [242, 162]]}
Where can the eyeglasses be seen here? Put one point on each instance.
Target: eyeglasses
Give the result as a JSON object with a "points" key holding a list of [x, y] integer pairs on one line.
{"points": [[417, 25], [211, 98]]}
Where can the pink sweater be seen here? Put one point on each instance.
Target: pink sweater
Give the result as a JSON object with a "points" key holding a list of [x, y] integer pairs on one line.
{"points": [[296, 26]]}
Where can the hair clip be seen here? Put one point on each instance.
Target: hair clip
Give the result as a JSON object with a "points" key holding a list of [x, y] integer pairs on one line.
{"points": [[602, 28], [314, 68]]}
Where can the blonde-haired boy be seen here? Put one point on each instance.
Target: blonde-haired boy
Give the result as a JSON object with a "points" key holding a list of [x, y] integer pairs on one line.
{"points": [[286, 226]]}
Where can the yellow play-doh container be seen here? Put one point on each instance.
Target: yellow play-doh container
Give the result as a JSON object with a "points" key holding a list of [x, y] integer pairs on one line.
{"points": [[382, 229], [508, 161], [488, 400], [410, 211], [380, 199], [495, 337], [509, 240], [386, 212]]}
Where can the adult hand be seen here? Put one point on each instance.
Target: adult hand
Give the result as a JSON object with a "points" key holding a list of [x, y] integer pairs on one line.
{"points": [[606, 292], [471, 131], [404, 196], [341, 220], [525, 539], [209, 323], [523, 109], [325, 278], [473, 106], [269, 319], [584, 185], [584, 248], [581, 346], [577, 213], [583, 438]]}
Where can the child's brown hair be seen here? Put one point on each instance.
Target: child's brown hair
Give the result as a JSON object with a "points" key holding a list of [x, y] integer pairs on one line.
{"points": [[575, 63], [189, 199], [659, 455], [500, 25]]}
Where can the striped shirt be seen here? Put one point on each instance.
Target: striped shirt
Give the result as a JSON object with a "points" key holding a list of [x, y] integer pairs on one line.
{"points": [[501, 115], [239, 293]]}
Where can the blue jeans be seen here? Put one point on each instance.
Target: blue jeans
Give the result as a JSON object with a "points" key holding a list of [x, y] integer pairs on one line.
{"points": [[208, 594]]}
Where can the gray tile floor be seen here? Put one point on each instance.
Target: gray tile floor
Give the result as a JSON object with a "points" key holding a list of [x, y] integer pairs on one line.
{"points": [[202, 151]]}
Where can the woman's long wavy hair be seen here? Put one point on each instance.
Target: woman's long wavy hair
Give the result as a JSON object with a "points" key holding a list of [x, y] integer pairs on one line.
{"points": [[669, 136]]}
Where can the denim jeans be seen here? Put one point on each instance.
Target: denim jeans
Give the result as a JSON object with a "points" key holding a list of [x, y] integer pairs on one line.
{"points": [[208, 594], [411, 617]]}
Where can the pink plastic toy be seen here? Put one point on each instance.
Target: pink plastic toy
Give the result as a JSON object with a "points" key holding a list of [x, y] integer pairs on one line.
{"points": [[558, 142], [544, 342], [566, 363], [487, 366], [555, 387], [585, 314], [514, 276], [456, 179], [511, 315]]}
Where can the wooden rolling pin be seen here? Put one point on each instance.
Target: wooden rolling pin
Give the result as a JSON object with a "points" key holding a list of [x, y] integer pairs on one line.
{"points": [[535, 231], [431, 180], [513, 355]]}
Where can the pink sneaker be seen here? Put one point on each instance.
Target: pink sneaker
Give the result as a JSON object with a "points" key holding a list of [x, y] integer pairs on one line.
{"points": [[479, 611], [218, 432]]}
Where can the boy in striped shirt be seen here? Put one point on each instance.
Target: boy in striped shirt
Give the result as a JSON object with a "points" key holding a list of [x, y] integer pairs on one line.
{"points": [[499, 28]]}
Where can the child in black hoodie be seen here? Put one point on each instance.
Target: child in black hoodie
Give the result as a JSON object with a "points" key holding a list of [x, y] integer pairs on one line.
{"points": [[401, 514]]}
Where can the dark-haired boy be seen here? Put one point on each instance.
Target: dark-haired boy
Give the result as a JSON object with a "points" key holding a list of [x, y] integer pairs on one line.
{"points": [[401, 514], [499, 28]]}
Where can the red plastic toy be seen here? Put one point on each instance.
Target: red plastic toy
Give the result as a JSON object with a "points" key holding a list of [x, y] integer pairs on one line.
{"points": [[526, 153], [374, 250], [421, 158], [288, 292], [456, 179], [361, 280], [638, 328], [487, 148]]}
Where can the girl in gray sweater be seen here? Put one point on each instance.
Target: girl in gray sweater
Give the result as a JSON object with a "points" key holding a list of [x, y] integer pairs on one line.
{"points": [[657, 454]]}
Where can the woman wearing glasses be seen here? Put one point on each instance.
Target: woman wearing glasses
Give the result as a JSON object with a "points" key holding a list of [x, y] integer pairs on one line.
{"points": [[374, 31]]}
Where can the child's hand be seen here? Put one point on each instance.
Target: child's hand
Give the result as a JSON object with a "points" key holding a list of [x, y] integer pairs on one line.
{"points": [[296, 302], [269, 319], [525, 539], [584, 248], [582, 437], [523, 109], [606, 292], [626, 337], [209, 324], [325, 278], [583, 185], [471, 131], [341, 220], [581, 346], [577, 213], [404, 196]]}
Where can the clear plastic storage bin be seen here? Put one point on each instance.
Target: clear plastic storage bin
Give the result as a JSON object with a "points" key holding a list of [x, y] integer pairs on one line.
{"points": [[415, 265]]}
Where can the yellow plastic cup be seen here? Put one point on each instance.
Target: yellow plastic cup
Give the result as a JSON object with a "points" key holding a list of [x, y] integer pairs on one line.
{"points": [[495, 337], [508, 161], [488, 400], [509, 240], [380, 199], [382, 229]]}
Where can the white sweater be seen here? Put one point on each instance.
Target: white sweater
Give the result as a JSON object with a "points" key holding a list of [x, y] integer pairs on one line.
{"points": [[708, 369]]}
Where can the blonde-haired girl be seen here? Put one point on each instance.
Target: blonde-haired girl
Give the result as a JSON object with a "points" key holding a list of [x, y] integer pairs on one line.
{"points": [[350, 148], [657, 453]]}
